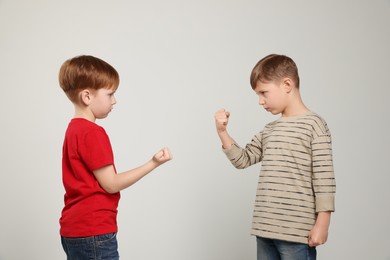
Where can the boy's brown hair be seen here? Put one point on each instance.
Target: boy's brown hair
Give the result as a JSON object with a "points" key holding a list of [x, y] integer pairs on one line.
{"points": [[274, 67], [86, 72]]}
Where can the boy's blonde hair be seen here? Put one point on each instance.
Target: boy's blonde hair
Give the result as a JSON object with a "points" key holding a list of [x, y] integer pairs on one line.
{"points": [[86, 72], [274, 67]]}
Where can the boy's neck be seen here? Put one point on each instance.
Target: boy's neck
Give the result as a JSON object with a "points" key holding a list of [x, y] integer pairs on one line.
{"points": [[298, 111], [296, 107], [84, 112]]}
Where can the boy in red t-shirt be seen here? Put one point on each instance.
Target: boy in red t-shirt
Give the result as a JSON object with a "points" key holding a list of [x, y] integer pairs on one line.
{"points": [[88, 221]]}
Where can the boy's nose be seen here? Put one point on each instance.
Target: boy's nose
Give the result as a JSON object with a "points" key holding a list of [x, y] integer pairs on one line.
{"points": [[261, 101]]}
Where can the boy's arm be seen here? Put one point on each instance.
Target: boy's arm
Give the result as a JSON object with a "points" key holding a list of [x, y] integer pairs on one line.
{"points": [[319, 233], [113, 183], [323, 183], [221, 121], [239, 157]]}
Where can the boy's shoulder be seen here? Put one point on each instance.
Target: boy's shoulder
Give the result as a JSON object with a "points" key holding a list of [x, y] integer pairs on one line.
{"points": [[319, 123], [84, 126]]}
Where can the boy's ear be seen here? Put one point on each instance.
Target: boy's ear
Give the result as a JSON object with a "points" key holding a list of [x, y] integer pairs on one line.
{"points": [[287, 84], [85, 96]]}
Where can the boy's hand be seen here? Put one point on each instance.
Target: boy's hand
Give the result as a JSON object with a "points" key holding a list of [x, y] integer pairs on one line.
{"points": [[162, 156], [319, 233], [318, 236], [221, 119]]}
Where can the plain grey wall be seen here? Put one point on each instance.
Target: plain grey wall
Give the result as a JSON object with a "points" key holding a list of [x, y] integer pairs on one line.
{"points": [[179, 62]]}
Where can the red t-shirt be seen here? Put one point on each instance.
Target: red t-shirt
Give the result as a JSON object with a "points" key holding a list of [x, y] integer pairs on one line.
{"points": [[89, 210]]}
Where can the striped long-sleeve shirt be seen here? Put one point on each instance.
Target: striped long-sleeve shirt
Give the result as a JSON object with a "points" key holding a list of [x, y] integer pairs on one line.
{"points": [[296, 179]]}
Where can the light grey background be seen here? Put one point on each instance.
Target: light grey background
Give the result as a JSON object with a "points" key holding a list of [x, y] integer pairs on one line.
{"points": [[179, 62]]}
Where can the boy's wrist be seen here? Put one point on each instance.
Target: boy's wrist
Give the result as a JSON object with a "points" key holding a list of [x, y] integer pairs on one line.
{"points": [[323, 219], [222, 132], [154, 162]]}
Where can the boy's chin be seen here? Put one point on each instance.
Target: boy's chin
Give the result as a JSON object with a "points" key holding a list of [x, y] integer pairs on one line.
{"points": [[274, 112], [102, 116]]}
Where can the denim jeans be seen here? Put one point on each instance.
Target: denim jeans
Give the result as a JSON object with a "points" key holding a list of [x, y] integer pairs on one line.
{"points": [[273, 249], [101, 247]]}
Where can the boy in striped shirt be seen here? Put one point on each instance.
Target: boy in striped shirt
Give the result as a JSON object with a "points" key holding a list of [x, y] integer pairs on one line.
{"points": [[296, 188]]}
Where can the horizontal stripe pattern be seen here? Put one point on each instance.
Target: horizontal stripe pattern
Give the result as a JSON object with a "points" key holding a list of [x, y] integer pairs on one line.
{"points": [[296, 178]]}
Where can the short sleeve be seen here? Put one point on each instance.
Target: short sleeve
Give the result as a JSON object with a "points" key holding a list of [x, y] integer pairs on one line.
{"points": [[96, 150]]}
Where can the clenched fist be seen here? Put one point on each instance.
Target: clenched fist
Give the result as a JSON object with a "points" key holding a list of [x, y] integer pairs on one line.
{"points": [[162, 156], [221, 119]]}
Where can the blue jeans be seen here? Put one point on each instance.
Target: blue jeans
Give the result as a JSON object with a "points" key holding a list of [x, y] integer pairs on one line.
{"points": [[101, 247], [273, 249]]}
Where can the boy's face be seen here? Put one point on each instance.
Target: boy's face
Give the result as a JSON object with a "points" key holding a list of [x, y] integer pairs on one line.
{"points": [[272, 96], [102, 102]]}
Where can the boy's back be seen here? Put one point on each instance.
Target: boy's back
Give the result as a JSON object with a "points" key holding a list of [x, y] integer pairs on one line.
{"points": [[89, 210]]}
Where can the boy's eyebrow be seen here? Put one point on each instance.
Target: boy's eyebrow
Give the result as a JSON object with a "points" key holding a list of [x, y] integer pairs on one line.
{"points": [[259, 90]]}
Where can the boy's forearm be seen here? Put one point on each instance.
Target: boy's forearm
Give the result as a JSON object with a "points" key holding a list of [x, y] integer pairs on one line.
{"points": [[323, 219], [113, 183], [128, 178], [226, 140]]}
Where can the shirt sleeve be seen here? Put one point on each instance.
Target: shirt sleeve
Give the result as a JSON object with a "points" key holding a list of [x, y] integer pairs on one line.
{"points": [[324, 184], [96, 150], [242, 158]]}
